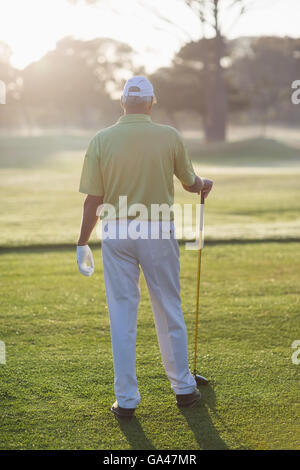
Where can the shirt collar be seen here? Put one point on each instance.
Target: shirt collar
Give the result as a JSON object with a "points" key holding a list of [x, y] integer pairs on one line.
{"points": [[134, 118]]}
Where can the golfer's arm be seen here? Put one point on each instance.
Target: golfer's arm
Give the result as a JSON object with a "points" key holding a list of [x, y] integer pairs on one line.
{"points": [[89, 218], [196, 187]]}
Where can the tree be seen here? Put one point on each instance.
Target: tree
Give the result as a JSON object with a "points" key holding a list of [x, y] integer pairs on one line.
{"points": [[68, 86], [265, 72], [211, 15], [13, 86], [178, 88], [8, 74], [181, 87]]}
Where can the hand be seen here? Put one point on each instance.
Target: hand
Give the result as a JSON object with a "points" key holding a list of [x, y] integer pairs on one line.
{"points": [[207, 187], [84, 254]]}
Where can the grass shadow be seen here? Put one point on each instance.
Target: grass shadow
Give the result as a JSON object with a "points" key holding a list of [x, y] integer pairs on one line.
{"points": [[200, 422], [40, 248], [135, 435]]}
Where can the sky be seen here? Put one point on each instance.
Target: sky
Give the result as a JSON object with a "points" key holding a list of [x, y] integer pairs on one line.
{"points": [[32, 27]]}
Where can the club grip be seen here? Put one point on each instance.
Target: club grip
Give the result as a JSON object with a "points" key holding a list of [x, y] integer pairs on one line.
{"points": [[202, 197]]}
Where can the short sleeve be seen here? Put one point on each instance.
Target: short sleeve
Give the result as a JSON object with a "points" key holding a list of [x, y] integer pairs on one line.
{"points": [[91, 181], [183, 167]]}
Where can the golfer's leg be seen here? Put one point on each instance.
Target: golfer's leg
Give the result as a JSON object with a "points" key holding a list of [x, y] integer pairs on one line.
{"points": [[160, 263], [121, 275]]}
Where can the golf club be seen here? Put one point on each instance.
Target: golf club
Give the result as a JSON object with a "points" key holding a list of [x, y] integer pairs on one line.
{"points": [[200, 380]]}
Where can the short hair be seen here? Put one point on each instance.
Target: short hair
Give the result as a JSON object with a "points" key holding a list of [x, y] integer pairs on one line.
{"points": [[138, 102]]}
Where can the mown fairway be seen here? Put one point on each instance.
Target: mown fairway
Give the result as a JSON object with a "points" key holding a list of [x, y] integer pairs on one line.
{"points": [[57, 385]]}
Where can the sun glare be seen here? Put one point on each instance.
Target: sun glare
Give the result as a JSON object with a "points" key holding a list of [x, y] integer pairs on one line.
{"points": [[32, 27]]}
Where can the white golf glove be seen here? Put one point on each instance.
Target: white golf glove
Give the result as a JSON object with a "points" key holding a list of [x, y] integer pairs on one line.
{"points": [[84, 254]]}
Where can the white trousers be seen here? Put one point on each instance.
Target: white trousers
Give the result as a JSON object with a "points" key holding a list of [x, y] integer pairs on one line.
{"points": [[159, 260]]}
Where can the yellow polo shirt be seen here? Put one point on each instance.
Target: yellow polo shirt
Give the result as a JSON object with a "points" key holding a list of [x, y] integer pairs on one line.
{"points": [[136, 158]]}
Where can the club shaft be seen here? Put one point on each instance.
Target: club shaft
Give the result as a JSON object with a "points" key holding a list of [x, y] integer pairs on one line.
{"points": [[201, 244], [197, 309]]}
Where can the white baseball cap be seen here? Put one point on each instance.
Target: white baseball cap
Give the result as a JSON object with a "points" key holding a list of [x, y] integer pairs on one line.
{"points": [[142, 88]]}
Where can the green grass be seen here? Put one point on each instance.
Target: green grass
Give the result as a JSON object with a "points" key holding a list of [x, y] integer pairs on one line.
{"points": [[57, 384], [255, 152], [256, 193]]}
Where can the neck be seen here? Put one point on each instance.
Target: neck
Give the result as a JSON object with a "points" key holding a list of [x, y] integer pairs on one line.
{"points": [[136, 112]]}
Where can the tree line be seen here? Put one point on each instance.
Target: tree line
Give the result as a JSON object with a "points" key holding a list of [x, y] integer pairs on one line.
{"points": [[78, 84]]}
